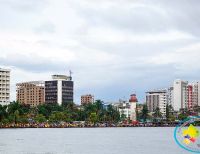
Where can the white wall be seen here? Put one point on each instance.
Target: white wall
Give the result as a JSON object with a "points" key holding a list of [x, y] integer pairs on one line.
{"points": [[179, 94], [59, 82]]}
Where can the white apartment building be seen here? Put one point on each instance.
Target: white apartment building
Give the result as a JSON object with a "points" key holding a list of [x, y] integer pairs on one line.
{"points": [[157, 98], [180, 94], [4, 86], [124, 108]]}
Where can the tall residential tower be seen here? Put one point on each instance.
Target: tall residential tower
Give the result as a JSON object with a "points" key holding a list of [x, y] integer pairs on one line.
{"points": [[4, 86], [180, 93], [157, 99]]}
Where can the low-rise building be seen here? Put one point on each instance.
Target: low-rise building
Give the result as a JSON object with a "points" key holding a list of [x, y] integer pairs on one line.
{"points": [[86, 99], [127, 109]]}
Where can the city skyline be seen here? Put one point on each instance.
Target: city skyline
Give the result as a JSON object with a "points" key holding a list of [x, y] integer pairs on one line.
{"points": [[166, 88], [113, 50]]}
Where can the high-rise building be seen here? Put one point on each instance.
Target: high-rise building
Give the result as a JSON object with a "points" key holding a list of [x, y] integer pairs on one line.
{"points": [[180, 94], [190, 102], [30, 93], [4, 86], [170, 96], [59, 89], [196, 93], [86, 99], [157, 99]]}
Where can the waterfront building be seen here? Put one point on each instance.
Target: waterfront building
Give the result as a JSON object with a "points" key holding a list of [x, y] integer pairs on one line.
{"points": [[133, 103], [59, 90], [189, 98], [123, 107], [196, 93], [30, 93], [4, 86], [127, 109], [180, 94], [170, 96], [183, 95], [157, 99], [86, 99]]}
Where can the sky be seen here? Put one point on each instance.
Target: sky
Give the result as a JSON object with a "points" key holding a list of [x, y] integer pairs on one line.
{"points": [[113, 47]]}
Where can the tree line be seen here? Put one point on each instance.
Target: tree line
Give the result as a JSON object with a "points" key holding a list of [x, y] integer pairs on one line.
{"points": [[95, 112]]}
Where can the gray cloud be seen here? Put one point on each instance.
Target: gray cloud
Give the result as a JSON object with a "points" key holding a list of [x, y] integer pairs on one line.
{"points": [[47, 27], [143, 16], [24, 5], [114, 48], [31, 63]]}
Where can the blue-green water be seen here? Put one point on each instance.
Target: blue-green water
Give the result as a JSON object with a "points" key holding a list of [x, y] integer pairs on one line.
{"points": [[89, 141]]}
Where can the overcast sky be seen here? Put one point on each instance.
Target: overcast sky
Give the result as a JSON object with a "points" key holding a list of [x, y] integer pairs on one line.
{"points": [[113, 47]]}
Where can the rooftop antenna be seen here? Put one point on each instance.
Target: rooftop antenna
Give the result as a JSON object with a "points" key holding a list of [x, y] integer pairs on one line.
{"points": [[70, 74]]}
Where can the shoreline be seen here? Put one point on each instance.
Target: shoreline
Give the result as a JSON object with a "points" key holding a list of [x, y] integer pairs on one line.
{"points": [[81, 127], [117, 126]]}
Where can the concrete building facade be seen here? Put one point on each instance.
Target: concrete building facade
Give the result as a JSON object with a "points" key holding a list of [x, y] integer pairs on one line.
{"points": [[86, 99], [180, 94], [170, 96], [157, 99], [30, 93], [59, 90], [196, 93], [4, 86], [190, 101]]}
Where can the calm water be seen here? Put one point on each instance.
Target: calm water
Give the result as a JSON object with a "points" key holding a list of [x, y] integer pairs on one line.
{"points": [[89, 141]]}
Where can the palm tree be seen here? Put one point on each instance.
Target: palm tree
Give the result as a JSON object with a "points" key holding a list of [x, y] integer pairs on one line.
{"points": [[99, 109], [93, 118], [157, 114], [3, 112], [16, 114], [169, 112]]}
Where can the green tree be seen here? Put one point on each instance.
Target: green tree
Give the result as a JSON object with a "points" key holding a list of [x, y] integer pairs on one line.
{"points": [[16, 115], [93, 118], [3, 113], [169, 113], [57, 117], [5, 121], [40, 118], [123, 117], [144, 113], [112, 114], [157, 115]]}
